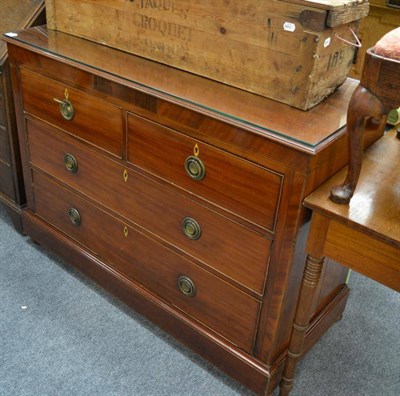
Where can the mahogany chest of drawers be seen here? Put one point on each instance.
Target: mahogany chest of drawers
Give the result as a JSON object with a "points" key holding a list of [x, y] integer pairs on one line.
{"points": [[179, 195], [13, 15]]}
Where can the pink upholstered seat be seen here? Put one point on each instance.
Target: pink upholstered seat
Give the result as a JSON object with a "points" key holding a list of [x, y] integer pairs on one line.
{"points": [[389, 45]]}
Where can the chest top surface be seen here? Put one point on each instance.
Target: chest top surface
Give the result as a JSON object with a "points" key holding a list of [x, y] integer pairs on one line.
{"points": [[307, 131]]}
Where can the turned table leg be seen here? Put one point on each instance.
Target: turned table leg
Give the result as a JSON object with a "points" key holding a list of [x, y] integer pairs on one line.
{"points": [[309, 285], [363, 107]]}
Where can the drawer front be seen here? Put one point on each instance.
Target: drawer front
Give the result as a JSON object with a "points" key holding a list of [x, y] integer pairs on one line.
{"points": [[215, 303], [228, 247], [92, 120], [237, 185], [6, 181], [5, 152], [2, 110]]}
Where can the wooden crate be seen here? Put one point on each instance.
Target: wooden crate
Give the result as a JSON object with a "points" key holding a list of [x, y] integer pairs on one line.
{"points": [[287, 50]]}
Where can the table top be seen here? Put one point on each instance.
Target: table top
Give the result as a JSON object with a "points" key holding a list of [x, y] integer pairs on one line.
{"points": [[375, 206], [308, 131]]}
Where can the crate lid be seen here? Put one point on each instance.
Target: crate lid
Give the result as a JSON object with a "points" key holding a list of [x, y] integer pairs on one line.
{"points": [[16, 15], [339, 11]]}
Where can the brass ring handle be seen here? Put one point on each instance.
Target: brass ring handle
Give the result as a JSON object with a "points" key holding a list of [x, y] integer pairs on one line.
{"points": [[71, 163], [195, 168], [186, 286], [74, 216], [191, 228], [66, 109]]}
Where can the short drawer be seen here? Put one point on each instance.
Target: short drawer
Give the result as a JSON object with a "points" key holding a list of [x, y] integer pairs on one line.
{"points": [[89, 118], [199, 294], [226, 246], [239, 186]]}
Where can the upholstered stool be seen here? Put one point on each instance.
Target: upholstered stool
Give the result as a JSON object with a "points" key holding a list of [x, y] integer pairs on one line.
{"points": [[377, 94]]}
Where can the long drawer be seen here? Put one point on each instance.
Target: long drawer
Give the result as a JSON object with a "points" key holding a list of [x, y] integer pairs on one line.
{"points": [[85, 116], [211, 301], [225, 245], [5, 152], [6, 180], [2, 108], [232, 183]]}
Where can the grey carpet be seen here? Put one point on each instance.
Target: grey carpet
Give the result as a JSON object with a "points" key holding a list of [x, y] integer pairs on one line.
{"points": [[61, 335]]}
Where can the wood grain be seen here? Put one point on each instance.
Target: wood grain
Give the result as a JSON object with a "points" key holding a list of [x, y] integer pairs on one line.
{"points": [[299, 131], [261, 157], [224, 246], [13, 15], [239, 186], [375, 253], [19, 15], [268, 47], [374, 207], [355, 11], [39, 95], [339, 234], [216, 304]]}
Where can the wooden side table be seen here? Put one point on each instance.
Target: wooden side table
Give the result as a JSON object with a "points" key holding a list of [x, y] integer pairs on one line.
{"points": [[363, 236]]}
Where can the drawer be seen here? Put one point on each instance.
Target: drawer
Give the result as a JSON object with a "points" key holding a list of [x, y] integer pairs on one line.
{"points": [[226, 246], [2, 111], [201, 295], [93, 120], [218, 242], [5, 152], [7, 181], [236, 185]]}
